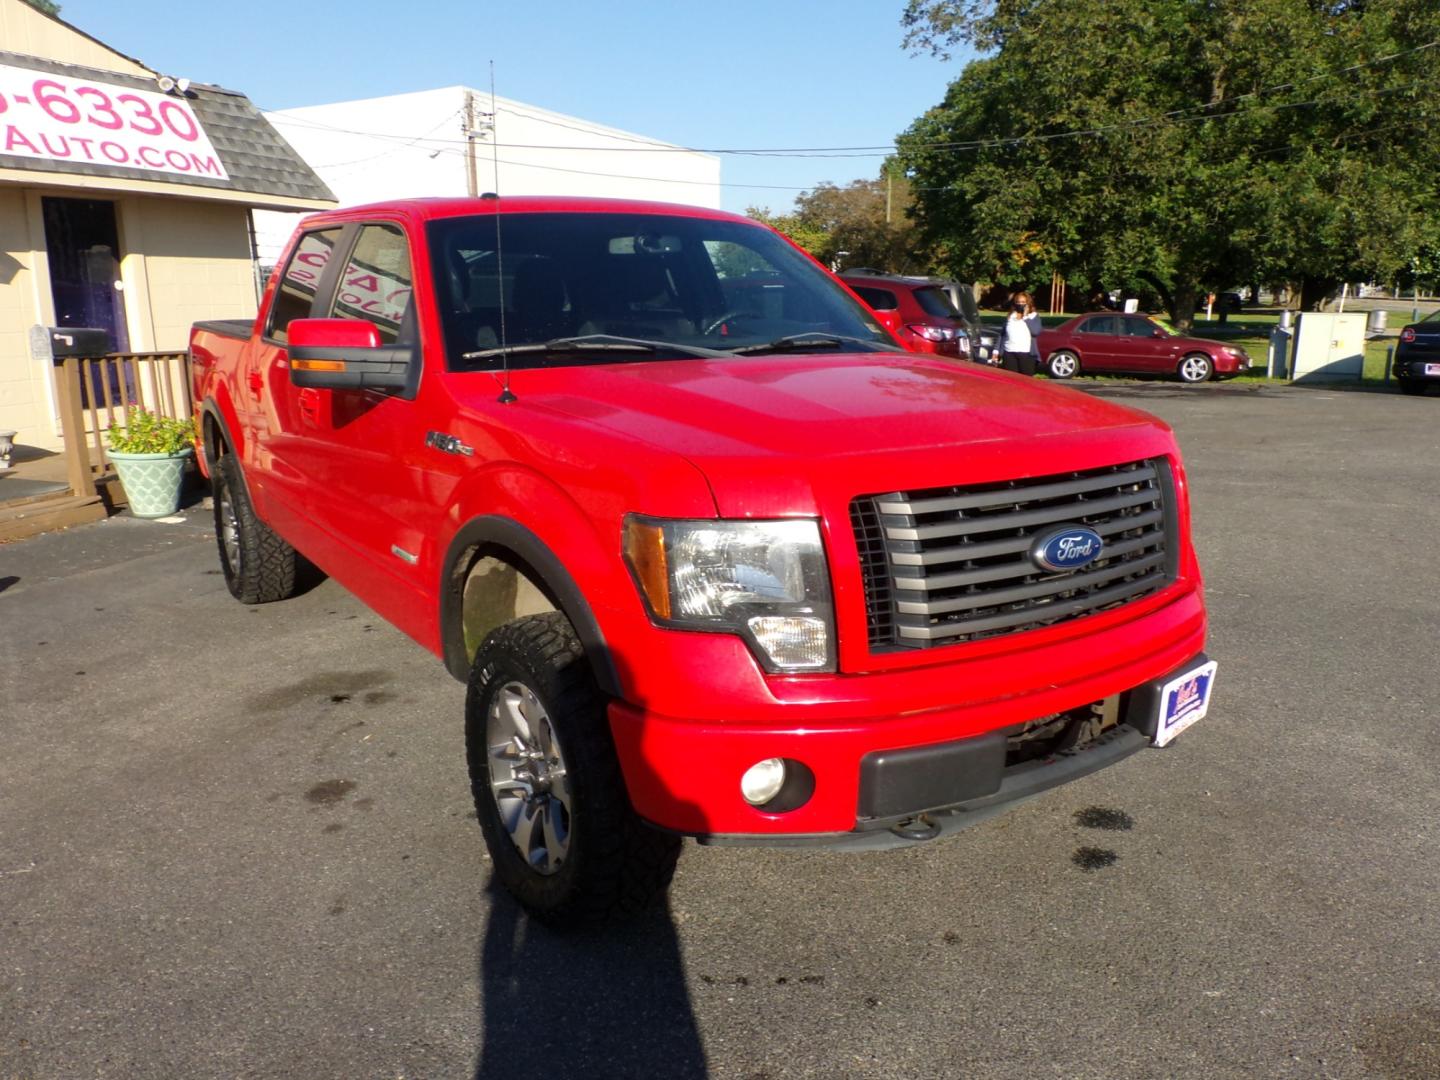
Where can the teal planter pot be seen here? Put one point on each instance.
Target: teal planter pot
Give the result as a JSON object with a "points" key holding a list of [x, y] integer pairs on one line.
{"points": [[151, 481]]}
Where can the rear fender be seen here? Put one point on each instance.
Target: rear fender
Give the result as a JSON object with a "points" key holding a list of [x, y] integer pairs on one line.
{"points": [[220, 431]]}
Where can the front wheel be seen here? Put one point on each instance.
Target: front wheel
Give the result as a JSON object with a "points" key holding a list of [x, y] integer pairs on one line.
{"points": [[1196, 368], [547, 784], [1063, 364], [258, 565]]}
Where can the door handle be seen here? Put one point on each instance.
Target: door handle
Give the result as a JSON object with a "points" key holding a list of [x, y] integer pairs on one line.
{"points": [[309, 401]]}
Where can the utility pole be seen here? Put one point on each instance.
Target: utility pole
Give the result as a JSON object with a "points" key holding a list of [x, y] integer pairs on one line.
{"points": [[472, 184]]}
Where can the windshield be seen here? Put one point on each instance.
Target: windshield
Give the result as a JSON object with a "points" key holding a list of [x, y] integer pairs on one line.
{"points": [[934, 300], [692, 284]]}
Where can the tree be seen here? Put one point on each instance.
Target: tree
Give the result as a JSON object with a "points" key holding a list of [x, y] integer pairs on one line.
{"points": [[813, 239], [1187, 145], [866, 219], [48, 7]]}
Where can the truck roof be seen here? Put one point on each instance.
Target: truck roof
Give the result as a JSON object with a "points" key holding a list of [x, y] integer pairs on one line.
{"points": [[429, 209]]}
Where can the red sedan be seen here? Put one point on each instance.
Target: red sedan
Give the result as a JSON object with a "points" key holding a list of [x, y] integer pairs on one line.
{"points": [[1135, 344]]}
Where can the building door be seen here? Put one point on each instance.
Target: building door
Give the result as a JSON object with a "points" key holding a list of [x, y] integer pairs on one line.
{"points": [[84, 251]]}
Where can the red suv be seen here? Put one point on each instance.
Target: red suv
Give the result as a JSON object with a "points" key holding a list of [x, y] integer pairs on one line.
{"points": [[928, 320]]}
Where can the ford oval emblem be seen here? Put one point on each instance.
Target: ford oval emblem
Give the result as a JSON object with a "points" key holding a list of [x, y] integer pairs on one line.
{"points": [[1068, 548]]}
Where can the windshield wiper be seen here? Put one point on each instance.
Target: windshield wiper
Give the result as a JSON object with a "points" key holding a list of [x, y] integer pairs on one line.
{"points": [[811, 339], [592, 343]]}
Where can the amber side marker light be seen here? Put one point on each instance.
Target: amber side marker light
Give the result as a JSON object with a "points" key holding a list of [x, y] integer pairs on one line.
{"points": [[645, 548], [317, 365]]}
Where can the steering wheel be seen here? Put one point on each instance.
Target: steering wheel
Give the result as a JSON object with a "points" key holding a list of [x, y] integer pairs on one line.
{"points": [[719, 321]]}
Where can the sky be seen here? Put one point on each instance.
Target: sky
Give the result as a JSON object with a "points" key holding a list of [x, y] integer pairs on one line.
{"points": [[731, 75]]}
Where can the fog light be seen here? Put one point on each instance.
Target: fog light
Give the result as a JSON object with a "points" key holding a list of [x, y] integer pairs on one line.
{"points": [[763, 781], [793, 643]]}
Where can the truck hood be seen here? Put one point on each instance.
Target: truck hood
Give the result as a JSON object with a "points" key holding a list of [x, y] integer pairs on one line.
{"points": [[767, 431]]}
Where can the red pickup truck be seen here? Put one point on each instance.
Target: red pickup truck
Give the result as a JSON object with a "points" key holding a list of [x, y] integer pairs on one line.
{"points": [[715, 555]]}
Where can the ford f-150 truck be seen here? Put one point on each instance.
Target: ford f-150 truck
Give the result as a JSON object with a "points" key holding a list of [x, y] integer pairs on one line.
{"points": [[715, 555]]}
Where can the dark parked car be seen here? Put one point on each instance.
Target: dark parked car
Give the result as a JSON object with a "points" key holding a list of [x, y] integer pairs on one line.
{"points": [[1417, 356], [1136, 344], [929, 320]]}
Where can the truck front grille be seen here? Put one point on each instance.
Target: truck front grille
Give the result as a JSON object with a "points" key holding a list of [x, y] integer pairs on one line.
{"points": [[953, 564]]}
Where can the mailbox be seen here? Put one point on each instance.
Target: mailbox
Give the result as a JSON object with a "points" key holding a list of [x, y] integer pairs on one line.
{"points": [[79, 341]]}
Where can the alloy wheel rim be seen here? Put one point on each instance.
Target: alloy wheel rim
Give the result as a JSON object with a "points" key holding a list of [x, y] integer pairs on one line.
{"points": [[528, 777], [1195, 369], [230, 533], [1064, 366]]}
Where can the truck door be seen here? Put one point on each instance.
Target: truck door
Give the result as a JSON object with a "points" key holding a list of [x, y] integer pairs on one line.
{"points": [[362, 450], [262, 394]]}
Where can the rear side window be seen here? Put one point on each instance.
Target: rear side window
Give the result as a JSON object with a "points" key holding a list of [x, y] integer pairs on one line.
{"points": [[936, 301], [377, 282], [295, 292], [879, 299], [1103, 324]]}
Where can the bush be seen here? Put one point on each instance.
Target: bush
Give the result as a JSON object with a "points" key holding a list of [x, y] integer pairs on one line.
{"points": [[145, 432]]}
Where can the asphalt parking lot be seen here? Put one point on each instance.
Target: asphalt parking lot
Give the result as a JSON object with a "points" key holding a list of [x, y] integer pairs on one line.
{"points": [[238, 842]]}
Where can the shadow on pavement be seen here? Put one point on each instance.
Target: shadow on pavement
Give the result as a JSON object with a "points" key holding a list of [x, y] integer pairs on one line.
{"points": [[7, 581], [610, 1002]]}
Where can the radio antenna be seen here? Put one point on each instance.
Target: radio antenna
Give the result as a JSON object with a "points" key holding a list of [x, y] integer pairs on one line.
{"points": [[506, 397]]}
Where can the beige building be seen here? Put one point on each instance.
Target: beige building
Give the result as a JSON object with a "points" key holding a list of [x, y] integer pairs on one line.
{"points": [[125, 206]]}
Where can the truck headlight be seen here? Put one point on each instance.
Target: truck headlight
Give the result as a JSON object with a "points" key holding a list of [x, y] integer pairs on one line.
{"points": [[764, 580]]}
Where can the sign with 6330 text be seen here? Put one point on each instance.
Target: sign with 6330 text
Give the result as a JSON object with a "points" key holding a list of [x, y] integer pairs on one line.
{"points": [[56, 118]]}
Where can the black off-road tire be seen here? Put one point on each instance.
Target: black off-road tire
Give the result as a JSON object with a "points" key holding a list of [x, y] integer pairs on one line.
{"points": [[615, 865], [258, 565]]}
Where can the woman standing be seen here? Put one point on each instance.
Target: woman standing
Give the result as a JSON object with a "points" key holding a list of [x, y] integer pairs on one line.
{"points": [[1020, 340]]}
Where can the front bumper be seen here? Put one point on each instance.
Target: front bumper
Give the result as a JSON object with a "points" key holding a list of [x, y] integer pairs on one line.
{"points": [[684, 775]]}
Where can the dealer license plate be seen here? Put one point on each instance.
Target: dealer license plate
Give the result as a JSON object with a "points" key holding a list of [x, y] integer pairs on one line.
{"points": [[1432, 369], [1183, 701]]}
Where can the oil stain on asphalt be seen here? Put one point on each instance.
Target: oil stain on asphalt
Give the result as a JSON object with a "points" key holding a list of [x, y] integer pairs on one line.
{"points": [[1093, 858], [1100, 817], [329, 792]]}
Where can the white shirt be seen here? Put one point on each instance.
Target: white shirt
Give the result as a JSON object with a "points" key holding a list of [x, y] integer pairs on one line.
{"points": [[1017, 334]]}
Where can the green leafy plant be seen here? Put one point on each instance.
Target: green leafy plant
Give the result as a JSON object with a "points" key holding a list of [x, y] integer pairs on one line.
{"points": [[145, 432]]}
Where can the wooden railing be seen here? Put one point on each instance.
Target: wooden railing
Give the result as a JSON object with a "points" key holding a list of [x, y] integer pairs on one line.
{"points": [[94, 392]]}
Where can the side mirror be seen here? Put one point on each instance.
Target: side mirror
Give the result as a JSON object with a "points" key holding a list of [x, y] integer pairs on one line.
{"points": [[347, 354], [1158, 333]]}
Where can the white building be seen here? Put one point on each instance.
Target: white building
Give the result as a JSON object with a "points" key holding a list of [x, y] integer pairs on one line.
{"points": [[446, 142]]}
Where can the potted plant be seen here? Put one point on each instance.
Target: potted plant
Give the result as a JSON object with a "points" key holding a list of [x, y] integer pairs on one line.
{"points": [[149, 453]]}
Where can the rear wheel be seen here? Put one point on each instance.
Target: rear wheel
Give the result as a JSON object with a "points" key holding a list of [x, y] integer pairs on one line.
{"points": [[1063, 364], [547, 784], [258, 565], [1411, 386], [1196, 368]]}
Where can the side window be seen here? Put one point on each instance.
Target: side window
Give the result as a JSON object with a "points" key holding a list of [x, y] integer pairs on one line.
{"points": [[1138, 327], [1103, 324], [295, 294], [376, 283], [879, 299]]}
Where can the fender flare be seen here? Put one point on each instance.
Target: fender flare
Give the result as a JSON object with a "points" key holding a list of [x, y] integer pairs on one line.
{"points": [[542, 564], [211, 409]]}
